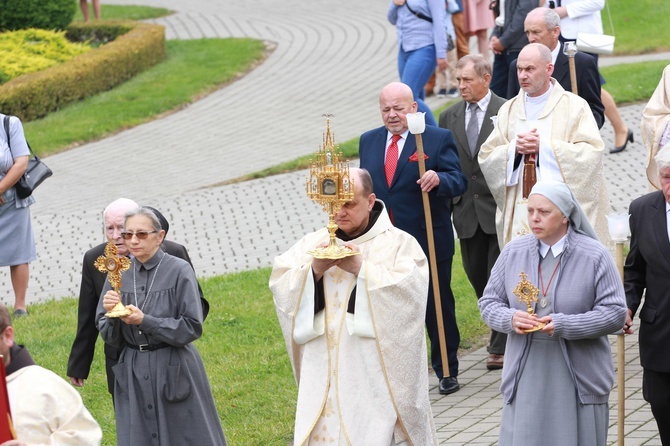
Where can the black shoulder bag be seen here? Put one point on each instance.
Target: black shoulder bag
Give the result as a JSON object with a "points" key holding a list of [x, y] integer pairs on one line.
{"points": [[36, 173]]}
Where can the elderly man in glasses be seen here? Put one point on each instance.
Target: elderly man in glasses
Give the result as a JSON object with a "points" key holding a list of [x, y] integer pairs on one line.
{"points": [[92, 282]]}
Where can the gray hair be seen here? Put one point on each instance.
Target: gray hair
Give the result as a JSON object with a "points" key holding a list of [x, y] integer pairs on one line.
{"points": [[551, 17], [146, 212], [662, 158], [480, 64]]}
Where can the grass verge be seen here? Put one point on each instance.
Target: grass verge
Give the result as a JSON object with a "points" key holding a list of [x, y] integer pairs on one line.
{"points": [[242, 347], [640, 26], [124, 12], [193, 68], [633, 82]]}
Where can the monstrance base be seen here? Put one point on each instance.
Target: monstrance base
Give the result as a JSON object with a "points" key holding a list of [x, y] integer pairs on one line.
{"points": [[119, 311], [332, 253], [538, 327]]}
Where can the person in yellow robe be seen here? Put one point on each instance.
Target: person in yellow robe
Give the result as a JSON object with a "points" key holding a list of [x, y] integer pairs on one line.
{"points": [[354, 331], [555, 127], [655, 125]]}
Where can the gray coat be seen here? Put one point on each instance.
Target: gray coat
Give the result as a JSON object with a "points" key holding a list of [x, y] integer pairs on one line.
{"points": [[589, 304], [161, 397]]}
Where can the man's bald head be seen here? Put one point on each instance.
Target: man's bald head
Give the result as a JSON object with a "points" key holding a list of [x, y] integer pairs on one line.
{"points": [[354, 215], [534, 69], [362, 181], [395, 101]]}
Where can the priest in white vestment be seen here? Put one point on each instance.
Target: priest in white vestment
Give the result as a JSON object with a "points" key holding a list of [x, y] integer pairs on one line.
{"points": [[558, 130], [354, 331], [655, 125]]}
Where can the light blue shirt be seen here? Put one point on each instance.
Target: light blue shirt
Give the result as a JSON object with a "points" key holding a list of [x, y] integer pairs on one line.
{"points": [[415, 33]]}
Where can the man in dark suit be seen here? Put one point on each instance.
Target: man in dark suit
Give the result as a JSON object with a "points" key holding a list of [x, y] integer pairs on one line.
{"points": [[648, 268], [475, 210], [401, 191], [92, 282], [507, 40], [543, 26]]}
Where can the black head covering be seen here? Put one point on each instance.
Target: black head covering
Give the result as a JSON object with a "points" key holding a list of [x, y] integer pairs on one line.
{"points": [[165, 226]]}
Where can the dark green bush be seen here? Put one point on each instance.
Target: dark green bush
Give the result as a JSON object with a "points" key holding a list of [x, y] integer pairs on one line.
{"points": [[34, 95], [44, 14], [99, 34]]}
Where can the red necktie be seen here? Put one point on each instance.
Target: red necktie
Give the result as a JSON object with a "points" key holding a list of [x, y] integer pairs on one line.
{"points": [[391, 159]]}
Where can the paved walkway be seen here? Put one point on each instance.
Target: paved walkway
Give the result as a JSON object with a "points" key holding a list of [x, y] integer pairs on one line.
{"points": [[328, 57]]}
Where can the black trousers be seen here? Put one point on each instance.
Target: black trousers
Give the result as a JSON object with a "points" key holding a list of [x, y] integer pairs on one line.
{"points": [[656, 391], [479, 254], [452, 335]]}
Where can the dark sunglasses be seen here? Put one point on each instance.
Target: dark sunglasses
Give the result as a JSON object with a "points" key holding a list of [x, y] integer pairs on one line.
{"points": [[141, 235]]}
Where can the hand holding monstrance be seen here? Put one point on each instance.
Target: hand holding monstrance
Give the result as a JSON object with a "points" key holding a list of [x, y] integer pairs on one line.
{"points": [[113, 264], [527, 293]]}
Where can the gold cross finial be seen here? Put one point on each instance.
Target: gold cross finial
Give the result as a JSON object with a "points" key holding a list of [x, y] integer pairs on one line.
{"points": [[112, 264], [526, 292]]}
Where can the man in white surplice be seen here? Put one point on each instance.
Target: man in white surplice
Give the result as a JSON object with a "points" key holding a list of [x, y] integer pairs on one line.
{"points": [[354, 331], [558, 129]]}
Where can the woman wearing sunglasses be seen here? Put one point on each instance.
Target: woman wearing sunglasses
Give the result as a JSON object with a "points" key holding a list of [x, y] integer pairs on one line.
{"points": [[161, 393]]}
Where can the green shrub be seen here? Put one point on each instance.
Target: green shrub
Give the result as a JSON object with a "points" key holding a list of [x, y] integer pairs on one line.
{"points": [[98, 34], [44, 14], [34, 95], [30, 50]]}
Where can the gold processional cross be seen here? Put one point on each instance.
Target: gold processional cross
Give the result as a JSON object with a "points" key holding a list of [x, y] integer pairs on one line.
{"points": [[113, 264], [527, 293]]}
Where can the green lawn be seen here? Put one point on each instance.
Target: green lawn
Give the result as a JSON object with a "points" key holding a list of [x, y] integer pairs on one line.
{"points": [[640, 26], [193, 68]]}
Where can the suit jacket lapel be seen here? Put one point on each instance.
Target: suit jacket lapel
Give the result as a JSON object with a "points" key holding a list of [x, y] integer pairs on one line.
{"points": [[379, 155], [661, 227], [487, 125], [407, 151], [561, 68], [457, 126]]}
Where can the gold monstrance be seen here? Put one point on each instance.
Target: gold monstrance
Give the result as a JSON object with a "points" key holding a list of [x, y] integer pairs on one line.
{"points": [[330, 185], [526, 292], [112, 264]]}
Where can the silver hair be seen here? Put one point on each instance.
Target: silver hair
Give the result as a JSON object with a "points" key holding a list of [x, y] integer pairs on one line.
{"points": [[146, 212], [662, 158], [551, 17]]}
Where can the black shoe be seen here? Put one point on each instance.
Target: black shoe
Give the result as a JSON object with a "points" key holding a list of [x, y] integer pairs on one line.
{"points": [[629, 138], [449, 385]]}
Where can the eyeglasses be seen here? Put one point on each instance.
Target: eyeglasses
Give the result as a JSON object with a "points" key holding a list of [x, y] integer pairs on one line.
{"points": [[141, 235]]}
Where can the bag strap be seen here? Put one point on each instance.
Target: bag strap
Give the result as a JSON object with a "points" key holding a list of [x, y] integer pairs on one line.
{"points": [[418, 14], [6, 123]]}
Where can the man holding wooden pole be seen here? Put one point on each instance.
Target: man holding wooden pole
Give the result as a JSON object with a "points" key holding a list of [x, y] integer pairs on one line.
{"points": [[389, 153]]}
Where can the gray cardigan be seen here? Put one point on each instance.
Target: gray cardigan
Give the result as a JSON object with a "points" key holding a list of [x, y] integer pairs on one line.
{"points": [[589, 304]]}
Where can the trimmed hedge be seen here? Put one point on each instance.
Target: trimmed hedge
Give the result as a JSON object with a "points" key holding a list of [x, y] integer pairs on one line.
{"points": [[34, 95], [43, 14]]}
